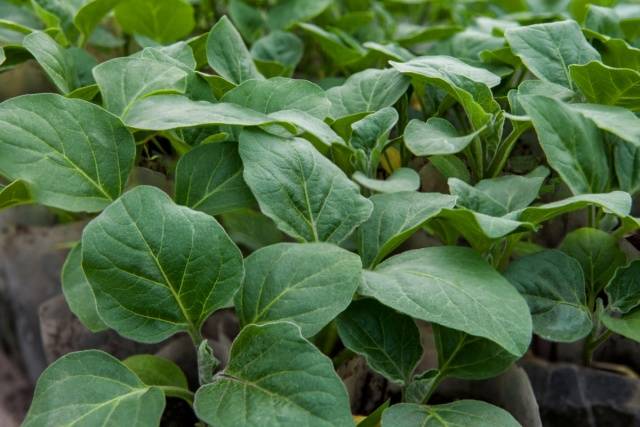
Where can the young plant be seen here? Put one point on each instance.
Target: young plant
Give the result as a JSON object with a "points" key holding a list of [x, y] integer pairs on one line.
{"points": [[293, 198]]}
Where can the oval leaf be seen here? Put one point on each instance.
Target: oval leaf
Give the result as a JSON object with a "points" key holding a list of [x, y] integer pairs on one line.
{"points": [[308, 284], [461, 413], [83, 154], [93, 388], [157, 268], [453, 287], [274, 377]]}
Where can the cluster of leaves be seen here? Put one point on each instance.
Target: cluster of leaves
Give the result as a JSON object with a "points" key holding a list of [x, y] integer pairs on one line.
{"points": [[317, 179]]}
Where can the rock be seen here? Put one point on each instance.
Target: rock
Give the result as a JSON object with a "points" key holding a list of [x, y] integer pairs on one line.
{"points": [[63, 333], [621, 351], [15, 393], [572, 395], [30, 260], [367, 390]]}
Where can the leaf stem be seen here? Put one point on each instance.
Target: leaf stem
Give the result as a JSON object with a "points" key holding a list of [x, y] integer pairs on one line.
{"points": [[504, 151]]}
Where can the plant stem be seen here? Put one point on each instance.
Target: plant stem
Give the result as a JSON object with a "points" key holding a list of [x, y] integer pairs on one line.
{"points": [[504, 151], [592, 344]]}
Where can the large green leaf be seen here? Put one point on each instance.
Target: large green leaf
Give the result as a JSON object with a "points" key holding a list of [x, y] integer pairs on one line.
{"points": [[209, 179], [597, 252], [395, 217], [164, 21], [465, 356], [306, 195], [436, 136], [228, 55], [468, 85], [388, 340], [122, 81], [602, 84], [14, 194], [549, 49], [623, 291], [554, 287], [157, 268], [499, 196], [274, 377], [617, 120], [90, 388], [454, 287], [164, 112], [367, 91], [78, 292], [83, 154], [308, 284], [616, 202], [336, 44], [463, 413], [573, 144], [279, 93], [251, 229]]}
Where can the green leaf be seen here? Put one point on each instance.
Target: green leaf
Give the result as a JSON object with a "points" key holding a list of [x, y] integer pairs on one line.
{"points": [[549, 49], [616, 202], [227, 54], [436, 136], [279, 93], [422, 386], [628, 326], [627, 164], [306, 195], [310, 127], [403, 179], [373, 419], [157, 268], [156, 371], [308, 284], [462, 413], [57, 62], [83, 154], [78, 292], [388, 340], [164, 21], [618, 53], [93, 388], [603, 21], [123, 81], [597, 252], [275, 377], [499, 196], [286, 13], [617, 120], [468, 85], [573, 145], [448, 69], [623, 291], [464, 356], [251, 229], [165, 112], [367, 91], [15, 194], [395, 217], [553, 285], [90, 14], [278, 48], [602, 84], [454, 287], [337, 45], [209, 179]]}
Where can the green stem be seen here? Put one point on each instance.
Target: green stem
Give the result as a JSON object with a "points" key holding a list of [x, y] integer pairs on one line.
{"points": [[504, 151], [179, 392], [592, 344]]}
